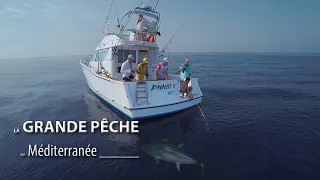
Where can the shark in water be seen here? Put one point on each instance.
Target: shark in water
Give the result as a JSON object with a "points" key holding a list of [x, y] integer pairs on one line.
{"points": [[171, 153]]}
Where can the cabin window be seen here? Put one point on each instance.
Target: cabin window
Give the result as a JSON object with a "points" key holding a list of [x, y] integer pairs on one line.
{"points": [[123, 55], [100, 55], [154, 56], [142, 54]]}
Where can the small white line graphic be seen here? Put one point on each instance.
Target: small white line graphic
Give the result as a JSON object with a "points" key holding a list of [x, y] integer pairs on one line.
{"points": [[119, 157]]}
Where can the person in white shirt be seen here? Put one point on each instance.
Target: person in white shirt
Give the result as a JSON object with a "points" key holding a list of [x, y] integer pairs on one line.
{"points": [[127, 70]]}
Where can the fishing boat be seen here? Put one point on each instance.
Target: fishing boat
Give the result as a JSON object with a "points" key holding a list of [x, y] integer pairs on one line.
{"points": [[135, 99]]}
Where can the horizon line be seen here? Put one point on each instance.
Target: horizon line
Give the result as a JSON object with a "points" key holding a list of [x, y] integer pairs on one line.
{"points": [[222, 52]]}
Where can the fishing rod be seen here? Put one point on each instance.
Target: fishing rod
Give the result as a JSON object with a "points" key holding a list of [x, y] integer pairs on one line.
{"points": [[167, 45]]}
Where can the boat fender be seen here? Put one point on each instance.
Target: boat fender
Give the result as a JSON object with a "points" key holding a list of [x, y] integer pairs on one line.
{"points": [[107, 74]]}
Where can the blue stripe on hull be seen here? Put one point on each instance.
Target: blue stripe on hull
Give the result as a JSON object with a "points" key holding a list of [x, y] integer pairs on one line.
{"points": [[99, 97], [143, 117]]}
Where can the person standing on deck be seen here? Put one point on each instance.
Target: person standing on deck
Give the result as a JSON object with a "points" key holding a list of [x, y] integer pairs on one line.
{"points": [[142, 70], [127, 70], [142, 24], [185, 70], [162, 70], [140, 19]]}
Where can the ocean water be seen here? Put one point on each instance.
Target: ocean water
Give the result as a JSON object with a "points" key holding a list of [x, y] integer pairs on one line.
{"points": [[263, 111]]}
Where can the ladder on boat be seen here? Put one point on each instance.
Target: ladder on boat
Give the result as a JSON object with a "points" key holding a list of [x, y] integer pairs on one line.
{"points": [[141, 93]]}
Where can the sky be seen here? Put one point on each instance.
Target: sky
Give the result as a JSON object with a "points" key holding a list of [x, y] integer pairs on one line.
{"points": [[40, 28]]}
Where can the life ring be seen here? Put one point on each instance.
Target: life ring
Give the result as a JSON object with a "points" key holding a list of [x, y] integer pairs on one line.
{"points": [[151, 36]]}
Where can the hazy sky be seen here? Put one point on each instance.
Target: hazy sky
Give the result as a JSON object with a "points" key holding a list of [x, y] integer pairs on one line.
{"points": [[31, 28]]}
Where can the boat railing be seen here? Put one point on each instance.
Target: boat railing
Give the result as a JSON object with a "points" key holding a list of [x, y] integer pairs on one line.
{"points": [[125, 36], [131, 34], [85, 60], [173, 76]]}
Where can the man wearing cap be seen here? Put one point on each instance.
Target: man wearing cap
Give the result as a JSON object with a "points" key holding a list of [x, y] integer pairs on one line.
{"points": [[127, 70], [142, 70], [162, 70], [185, 70]]}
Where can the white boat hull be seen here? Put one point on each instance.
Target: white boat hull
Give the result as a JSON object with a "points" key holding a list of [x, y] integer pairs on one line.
{"points": [[121, 96]]}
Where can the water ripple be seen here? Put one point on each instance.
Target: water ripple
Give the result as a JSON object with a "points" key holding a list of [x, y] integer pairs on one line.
{"points": [[263, 114]]}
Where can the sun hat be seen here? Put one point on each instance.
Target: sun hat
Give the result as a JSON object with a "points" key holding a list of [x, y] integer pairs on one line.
{"points": [[145, 60], [131, 56]]}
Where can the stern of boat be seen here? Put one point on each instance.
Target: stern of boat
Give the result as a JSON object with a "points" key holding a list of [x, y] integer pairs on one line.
{"points": [[141, 99], [156, 98]]}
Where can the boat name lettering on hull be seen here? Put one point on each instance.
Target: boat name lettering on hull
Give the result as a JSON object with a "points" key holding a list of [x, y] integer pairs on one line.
{"points": [[161, 87]]}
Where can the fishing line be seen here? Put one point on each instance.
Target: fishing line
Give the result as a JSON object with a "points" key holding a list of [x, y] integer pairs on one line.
{"points": [[204, 117]]}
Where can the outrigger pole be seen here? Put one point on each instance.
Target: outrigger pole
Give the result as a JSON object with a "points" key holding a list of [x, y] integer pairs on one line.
{"points": [[106, 22], [167, 45]]}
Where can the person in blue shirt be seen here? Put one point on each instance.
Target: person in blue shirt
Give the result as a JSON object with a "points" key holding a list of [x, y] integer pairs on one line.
{"points": [[185, 70]]}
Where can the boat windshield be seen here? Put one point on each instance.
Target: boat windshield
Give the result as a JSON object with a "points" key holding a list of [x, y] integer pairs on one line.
{"points": [[143, 12], [141, 20]]}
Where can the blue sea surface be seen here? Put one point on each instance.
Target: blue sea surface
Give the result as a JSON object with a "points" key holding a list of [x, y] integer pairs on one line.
{"points": [[263, 111]]}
